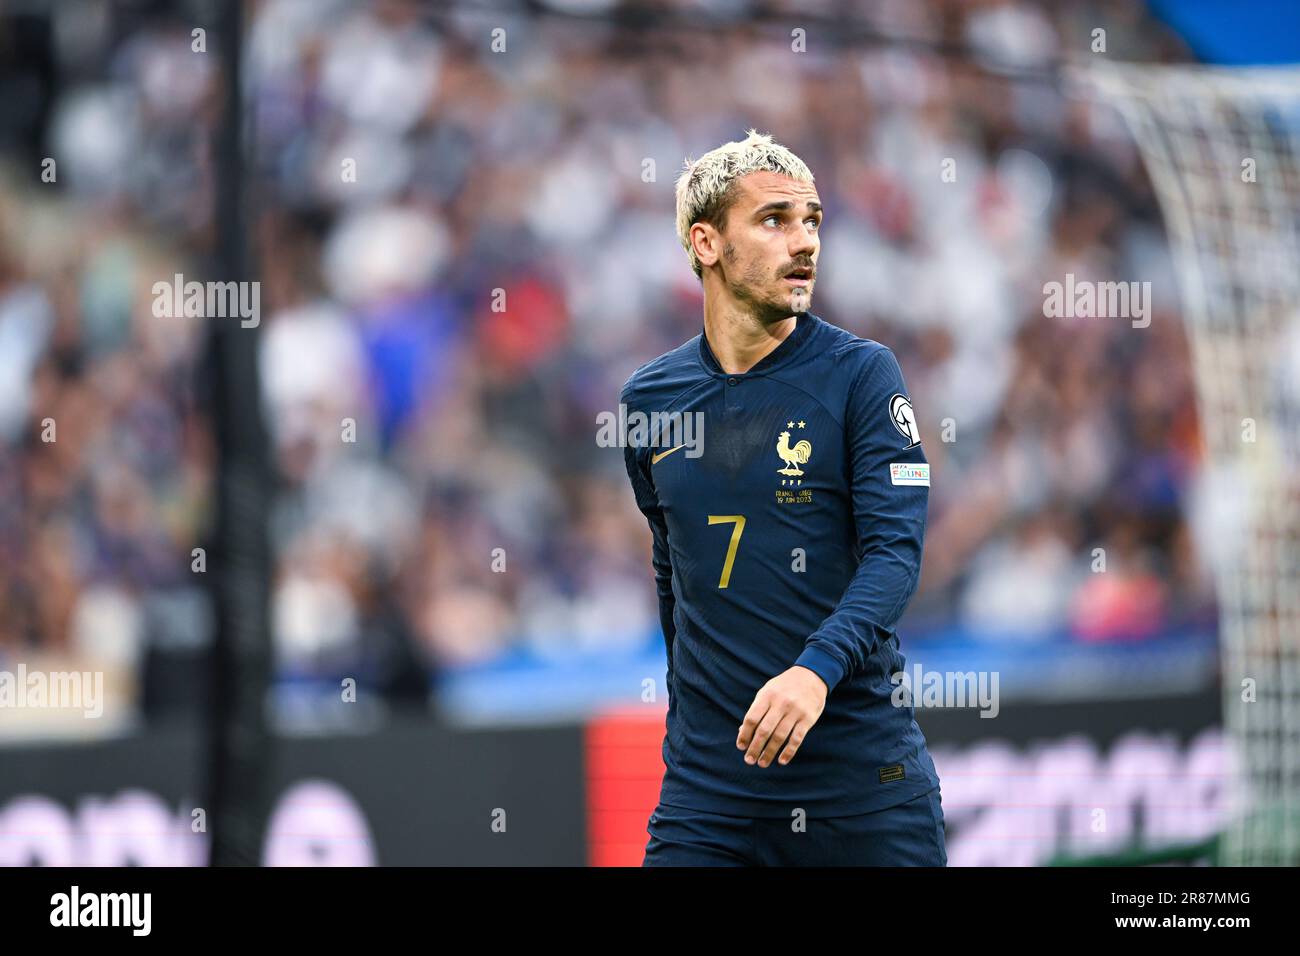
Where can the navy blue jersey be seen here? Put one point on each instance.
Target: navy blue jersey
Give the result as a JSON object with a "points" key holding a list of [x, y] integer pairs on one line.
{"points": [[789, 531]]}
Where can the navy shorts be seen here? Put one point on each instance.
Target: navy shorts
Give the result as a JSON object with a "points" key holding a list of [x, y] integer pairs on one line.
{"points": [[910, 834]]}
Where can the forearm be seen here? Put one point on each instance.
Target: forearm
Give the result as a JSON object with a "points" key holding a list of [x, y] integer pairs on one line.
{"points": [[866, 615]]}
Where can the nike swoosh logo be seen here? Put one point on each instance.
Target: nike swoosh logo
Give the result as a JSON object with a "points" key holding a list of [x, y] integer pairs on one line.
{"points": [[664, 454]]}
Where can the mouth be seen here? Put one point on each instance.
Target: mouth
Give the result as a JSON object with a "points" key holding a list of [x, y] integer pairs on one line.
{"points": [[801, 276]]}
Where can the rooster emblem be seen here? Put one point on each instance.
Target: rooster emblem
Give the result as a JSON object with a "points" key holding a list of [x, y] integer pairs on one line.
{"points": [[793, 457]]}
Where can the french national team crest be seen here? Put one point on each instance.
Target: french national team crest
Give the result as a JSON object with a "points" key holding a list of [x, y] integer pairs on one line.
{"points": [[794, 456]]}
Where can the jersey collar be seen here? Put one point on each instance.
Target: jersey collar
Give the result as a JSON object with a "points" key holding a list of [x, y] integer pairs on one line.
{"points": [[804, 323]]}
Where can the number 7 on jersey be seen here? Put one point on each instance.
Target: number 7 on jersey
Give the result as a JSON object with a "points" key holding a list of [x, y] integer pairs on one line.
{"points": [[731, 548]]}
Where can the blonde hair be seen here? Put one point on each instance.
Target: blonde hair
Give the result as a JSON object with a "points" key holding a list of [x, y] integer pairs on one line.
{"points": [[705, 188]]}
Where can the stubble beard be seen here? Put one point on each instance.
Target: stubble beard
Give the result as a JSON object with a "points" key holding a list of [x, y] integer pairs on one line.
{"points": [[769, 307]]}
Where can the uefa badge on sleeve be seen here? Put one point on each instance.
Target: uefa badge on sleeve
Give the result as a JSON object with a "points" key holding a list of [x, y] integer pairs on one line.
{"points": [[904, 419]]}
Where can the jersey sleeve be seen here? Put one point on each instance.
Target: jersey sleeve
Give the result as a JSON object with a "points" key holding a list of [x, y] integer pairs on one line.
{"points": [[637, 461], [891, 487]]}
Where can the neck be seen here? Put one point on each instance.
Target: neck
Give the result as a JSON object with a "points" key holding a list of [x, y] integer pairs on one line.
{"points": [[740, 340]]}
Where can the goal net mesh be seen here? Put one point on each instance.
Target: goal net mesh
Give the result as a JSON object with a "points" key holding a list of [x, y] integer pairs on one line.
{"points": [[1222, 148]]}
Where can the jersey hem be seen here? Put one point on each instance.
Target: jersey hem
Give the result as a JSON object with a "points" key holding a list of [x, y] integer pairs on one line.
{"points": [[766, 809]]}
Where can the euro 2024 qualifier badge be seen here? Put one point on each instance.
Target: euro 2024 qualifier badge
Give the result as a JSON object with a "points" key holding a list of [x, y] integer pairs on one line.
{"points": [[904, 419], [793, 456]]}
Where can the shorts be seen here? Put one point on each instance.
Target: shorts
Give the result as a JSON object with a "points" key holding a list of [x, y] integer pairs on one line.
{"points": [[910, 834]]}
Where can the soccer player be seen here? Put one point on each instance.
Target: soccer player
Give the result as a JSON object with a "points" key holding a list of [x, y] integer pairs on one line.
{"points": [[785, 487]]}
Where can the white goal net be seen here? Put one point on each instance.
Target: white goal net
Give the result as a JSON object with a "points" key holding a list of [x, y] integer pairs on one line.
{"points": [[1222, 147]]}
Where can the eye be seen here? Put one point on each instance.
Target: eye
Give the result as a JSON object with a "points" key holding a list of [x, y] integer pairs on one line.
{"points": [[771, 218], [815, 221]]}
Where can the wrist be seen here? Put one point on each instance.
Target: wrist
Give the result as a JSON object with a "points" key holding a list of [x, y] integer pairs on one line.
{"points": [[819, 683]]}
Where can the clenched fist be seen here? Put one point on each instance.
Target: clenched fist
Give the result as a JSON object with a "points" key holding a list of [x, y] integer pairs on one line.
{"points": [[783, 711]]}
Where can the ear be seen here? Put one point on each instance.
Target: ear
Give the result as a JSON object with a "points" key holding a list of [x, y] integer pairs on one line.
{"points": [[707, 243]]}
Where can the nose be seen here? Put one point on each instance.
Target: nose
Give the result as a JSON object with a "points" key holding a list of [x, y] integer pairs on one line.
{"points": [[802, 245]]}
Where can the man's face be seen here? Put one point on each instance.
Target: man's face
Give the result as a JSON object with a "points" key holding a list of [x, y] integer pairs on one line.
{"points": [[772, 232]]}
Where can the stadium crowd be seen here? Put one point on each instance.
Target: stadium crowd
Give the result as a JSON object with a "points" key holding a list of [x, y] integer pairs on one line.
{"points": [[465, 250]]}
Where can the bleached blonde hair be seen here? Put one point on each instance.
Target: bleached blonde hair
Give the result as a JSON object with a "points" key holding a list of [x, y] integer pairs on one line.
{"points": [[705, 189]]}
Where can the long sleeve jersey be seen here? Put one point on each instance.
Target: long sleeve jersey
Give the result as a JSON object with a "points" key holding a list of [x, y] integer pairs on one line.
{"points": [[787, 507]]}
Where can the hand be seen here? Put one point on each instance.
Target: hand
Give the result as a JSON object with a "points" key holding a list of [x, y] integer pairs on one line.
{"points": [[783, 712]]}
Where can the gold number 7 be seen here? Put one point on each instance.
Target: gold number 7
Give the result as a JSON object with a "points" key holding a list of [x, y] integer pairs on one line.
{"points": [[731, 548]]}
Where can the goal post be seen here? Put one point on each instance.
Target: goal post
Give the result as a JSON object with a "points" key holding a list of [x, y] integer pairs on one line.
{"points": [[1222, 148]]}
